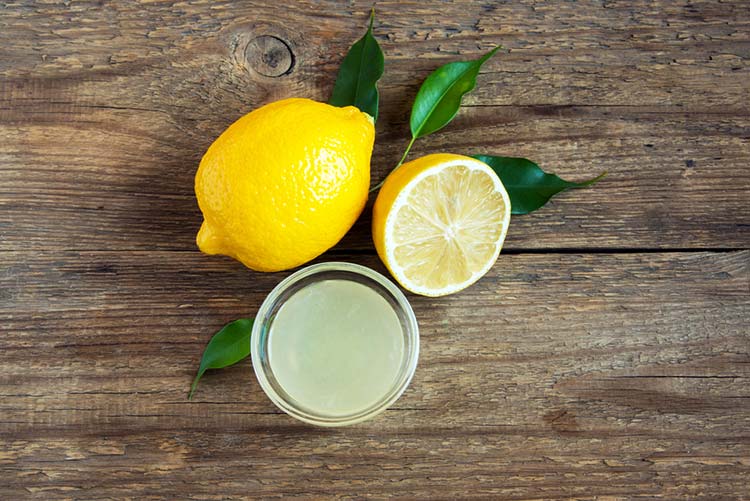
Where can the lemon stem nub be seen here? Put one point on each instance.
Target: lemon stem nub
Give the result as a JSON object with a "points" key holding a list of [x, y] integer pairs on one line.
{"points": [[207, 240]]}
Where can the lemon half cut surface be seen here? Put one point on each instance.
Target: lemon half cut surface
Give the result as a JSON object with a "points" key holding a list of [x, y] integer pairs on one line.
{"points": [[439, 223]]}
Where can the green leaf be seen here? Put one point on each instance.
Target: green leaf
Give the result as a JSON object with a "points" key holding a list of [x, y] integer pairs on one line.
{"points": [[528, 186], [439, 98], [356, 84], [228, 346]]}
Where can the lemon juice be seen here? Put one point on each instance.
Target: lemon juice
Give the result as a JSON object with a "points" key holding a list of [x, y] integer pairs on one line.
{"points": [[336, 347]]}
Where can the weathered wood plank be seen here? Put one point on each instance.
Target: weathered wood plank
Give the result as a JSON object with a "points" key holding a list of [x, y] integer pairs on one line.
{"points": [[105, 112], [643, 52], [286, 463], [555, 376], [687, 187]]}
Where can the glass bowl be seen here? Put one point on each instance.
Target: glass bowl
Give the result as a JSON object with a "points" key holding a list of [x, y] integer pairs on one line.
{"points": [[262, 333]]}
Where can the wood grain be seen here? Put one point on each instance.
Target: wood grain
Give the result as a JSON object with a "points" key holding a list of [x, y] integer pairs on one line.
{"points": [[606, 355], [113, 108], [556, 375]]}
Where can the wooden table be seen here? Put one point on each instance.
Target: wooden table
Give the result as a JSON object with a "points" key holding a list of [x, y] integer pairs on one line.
{"points": [[606, 354]]}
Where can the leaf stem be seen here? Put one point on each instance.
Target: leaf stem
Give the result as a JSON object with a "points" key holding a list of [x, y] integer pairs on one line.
{"points": [[408, 149], [195, 384], [592, 181], [403, 157]]}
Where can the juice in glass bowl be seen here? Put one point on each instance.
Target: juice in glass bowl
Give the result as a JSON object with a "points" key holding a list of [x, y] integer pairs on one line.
{"points": [[335, 344]]}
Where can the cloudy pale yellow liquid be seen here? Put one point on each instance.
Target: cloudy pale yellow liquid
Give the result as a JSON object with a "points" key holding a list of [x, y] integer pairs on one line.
{"points": [[336, 347]]}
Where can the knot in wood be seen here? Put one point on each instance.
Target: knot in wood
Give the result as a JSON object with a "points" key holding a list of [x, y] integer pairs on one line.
{"points": [[270, 56]]}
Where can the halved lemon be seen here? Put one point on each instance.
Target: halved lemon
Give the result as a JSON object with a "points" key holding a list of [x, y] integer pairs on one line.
{"points": [[439, 223]]}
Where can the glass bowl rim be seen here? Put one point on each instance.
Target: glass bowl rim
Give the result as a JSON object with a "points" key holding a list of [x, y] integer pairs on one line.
{"points": [[258, 347]]}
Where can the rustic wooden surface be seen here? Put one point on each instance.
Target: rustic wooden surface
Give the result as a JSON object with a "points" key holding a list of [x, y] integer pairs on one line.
{"points": [[606, 355]]}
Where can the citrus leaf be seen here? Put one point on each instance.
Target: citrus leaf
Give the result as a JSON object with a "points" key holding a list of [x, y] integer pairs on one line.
{"points": [[439, 97], [528, 186], [356, 83], [228, 346]]}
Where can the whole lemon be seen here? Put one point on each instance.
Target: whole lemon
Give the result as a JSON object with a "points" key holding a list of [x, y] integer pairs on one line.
{"points": [[284, 183]]}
